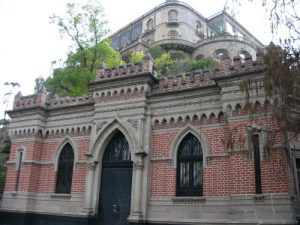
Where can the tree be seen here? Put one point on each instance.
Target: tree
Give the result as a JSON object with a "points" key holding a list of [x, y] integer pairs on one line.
{"points": [[203, 63], [39, 84], [282, 64], [86, 27], [156, 51], [164, 64], [136, 57], [5, 144]]}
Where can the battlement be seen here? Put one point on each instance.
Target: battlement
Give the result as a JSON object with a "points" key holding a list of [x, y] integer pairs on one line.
{"points": [[146, 66], [184, 81], [29, 101], [42, 100], [239, 65], [203, 78], [68, 101]]}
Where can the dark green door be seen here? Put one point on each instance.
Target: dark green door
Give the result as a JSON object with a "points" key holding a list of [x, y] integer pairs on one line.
{"points": [[116, 178]]}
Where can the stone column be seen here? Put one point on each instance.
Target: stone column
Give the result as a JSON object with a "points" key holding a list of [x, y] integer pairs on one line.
{"points": [[88, 205], [137, 197]]}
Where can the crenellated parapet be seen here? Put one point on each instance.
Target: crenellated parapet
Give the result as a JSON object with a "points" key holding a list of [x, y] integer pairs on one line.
{"points": [[43, 100], [185, 81], [53, 103], [205, 78], [29, 101], [239, 65], [202, 78], [146, 66]]}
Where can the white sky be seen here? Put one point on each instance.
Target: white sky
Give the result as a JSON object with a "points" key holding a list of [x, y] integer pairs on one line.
{"points": [[28, 43]]}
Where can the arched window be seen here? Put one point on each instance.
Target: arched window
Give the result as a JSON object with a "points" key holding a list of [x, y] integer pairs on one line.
{"points": [[149, 24], [244, 54], [172, 14], [173, 34], [117, 149], [189, 167], [219, 53], [65, 170], [199, 26]]}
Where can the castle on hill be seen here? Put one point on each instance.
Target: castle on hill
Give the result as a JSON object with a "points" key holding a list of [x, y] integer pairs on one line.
{"points": [[138, 149]]}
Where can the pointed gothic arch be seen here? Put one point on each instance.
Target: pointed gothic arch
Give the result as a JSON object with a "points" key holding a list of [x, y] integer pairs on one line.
{"points": [[65, 141], [188, 129], [189, 171], [65, 170]]}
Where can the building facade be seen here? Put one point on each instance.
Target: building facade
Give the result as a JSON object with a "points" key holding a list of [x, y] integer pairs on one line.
{"points": [[185, 149], [175, 25]]}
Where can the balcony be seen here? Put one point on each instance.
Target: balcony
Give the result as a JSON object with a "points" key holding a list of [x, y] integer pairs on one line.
{"points": [[178, 44], [173, 22]]}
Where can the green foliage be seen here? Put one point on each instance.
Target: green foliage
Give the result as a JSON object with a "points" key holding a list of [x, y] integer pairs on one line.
{"points": [[126, 57], [39, 84], [178, 55], [164, 64], [136, 57], [156, 51], [4, 122], [85, 26], [203, 63]]}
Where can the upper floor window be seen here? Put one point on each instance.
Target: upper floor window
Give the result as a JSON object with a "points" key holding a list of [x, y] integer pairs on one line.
{"points": [[219, 53], [189, 167], [172, 34], [150, 24], [199, 26], [65, 170], [173, 14]]}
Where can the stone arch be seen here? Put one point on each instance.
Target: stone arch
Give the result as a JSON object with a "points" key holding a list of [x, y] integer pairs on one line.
{"points": [[96, 153], [98, 147], [219, 53], [180, 136], [72, 142]]}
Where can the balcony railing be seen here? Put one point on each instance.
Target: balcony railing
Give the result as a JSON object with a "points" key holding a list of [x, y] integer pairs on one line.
{"points": [[173, 22]]}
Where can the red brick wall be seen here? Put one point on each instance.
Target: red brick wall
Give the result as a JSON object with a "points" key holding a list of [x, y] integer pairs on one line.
{"points": [[41, 178], [232, 173]]}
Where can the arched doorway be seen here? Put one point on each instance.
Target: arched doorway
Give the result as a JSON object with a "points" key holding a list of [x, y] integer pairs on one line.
{"points": [[116, 178]]}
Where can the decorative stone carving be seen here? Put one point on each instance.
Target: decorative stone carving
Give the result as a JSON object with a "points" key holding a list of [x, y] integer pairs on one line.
{"points": [[133, 122], [100, 125]]}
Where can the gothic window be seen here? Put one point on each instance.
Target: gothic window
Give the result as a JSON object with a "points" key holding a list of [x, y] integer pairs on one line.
{"points": [[117, 149], [189, 167], [65, 170], [173, 34], [149, 24]]}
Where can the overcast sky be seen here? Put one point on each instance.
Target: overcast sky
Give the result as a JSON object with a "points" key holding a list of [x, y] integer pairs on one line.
{"points": [[28, 43]]}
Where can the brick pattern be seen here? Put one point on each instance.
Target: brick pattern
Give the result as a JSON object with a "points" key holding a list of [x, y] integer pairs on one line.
{"points": [[232, 173], [35, 177]]}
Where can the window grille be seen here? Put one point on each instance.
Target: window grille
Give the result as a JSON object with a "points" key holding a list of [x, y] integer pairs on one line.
{"points": [[19, 165], [258, 187], [65, 170], [117, 149], [189, 167]]}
